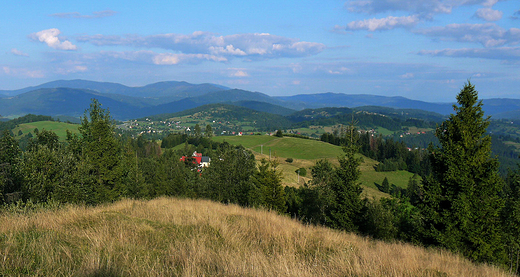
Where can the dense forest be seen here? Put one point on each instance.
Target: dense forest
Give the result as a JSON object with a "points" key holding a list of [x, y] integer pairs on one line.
{"points": [[457, 201]]}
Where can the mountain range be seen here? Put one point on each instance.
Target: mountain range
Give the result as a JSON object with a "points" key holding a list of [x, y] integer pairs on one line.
{"points": [[72, 98]]}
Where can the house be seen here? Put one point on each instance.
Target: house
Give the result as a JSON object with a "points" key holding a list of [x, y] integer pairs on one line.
{"points": [[198, 160]]}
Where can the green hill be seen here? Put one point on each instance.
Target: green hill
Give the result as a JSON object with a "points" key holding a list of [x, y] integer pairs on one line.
{"points": [[60, 128], [247, 119], [305, 152]]}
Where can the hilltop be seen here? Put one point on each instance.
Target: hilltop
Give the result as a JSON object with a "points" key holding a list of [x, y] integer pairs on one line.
{"points": [[181, 237]]}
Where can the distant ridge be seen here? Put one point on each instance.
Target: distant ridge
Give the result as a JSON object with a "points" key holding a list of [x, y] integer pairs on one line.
{"points": [[72, 97], [330, 99]]}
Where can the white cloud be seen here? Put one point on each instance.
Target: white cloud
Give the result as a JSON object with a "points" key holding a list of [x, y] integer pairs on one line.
{"points": [[387, 23], [250, 46], [50, 37], [70, 66], [228, 50], [98, 14], [238, 72], [502, 53], [489, 14], [407, 75], [22, 72], [488, 34], [171, 59], [413, 6], [17, 52], [151, 57]]}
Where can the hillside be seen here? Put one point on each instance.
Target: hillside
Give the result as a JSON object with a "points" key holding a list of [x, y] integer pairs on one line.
{"points": [[61, 101], [305, 153], [329, 99], [174, 237], [224, 117], [172, 96], [60, 128]]}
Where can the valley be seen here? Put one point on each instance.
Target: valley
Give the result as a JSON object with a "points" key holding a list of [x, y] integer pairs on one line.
{"points": [[355, 167]]}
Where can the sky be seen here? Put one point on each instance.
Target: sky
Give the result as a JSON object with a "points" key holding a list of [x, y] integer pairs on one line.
{"points": [[419, 49]]}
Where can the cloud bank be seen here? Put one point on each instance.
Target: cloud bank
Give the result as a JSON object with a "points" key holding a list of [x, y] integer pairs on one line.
{"points": [[205, 45], [412, 6], [502, 53], [99, 14], [387, 23], [488, 34]]}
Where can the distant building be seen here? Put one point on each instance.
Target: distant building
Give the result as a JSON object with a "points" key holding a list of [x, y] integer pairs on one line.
{"points": [[198, 160]]}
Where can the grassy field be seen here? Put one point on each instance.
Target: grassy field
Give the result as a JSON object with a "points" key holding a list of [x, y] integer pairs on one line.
{"points": [[384, 131], [306, 152], [415, 130], [182, 237], [60, 128]]}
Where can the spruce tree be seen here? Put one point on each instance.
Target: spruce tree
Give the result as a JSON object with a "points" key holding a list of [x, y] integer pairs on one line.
{"points": [[101, 150], [345, 212], [460, 201], [511, 220], [268, 190], [385, 186]]}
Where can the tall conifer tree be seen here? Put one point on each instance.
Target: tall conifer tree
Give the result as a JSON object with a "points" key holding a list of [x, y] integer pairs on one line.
{"points": [[461, 202], [101, 150]]}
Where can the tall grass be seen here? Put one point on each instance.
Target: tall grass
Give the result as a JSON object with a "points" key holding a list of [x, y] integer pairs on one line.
{"points": [[181, 237]]}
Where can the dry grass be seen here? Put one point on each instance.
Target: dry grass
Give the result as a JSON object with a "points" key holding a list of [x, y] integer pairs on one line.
{"points": [[177, 237]]}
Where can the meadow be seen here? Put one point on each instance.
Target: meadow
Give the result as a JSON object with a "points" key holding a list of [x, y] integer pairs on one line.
{"points": [[305, 152], [183, 237], [60, 128]]}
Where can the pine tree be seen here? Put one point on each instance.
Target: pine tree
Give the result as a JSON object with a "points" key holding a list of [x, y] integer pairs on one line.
{"points": [[101, 150], [346, 209], [461, 202], [198, 130], [209, 131], [511, 220], [268, 191], [334, 195], [385, 186]]}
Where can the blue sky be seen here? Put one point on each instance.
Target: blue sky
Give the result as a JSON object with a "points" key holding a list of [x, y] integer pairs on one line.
{"points": [[419, 49]]}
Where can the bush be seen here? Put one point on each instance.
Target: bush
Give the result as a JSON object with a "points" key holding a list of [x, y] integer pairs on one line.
{"points": [[289, 160], [303, 171]]}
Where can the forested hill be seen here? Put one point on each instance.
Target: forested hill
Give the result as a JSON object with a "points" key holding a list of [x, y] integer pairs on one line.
{"points": [[169, 97]]}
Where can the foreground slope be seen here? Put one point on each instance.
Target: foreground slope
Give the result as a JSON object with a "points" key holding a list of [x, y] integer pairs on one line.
{"points": [[180, 237]]}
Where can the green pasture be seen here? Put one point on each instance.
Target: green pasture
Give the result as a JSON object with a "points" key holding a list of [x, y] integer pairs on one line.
{"points": [[384, 131], [60, 128], [415, 130], [305, 152]]}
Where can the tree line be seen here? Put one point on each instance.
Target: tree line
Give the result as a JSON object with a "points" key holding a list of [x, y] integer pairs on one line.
{"points": [[392, 155]]}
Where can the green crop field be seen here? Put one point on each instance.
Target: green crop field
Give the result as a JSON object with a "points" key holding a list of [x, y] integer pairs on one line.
{"points": [[60, 128], [305, 152]]}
